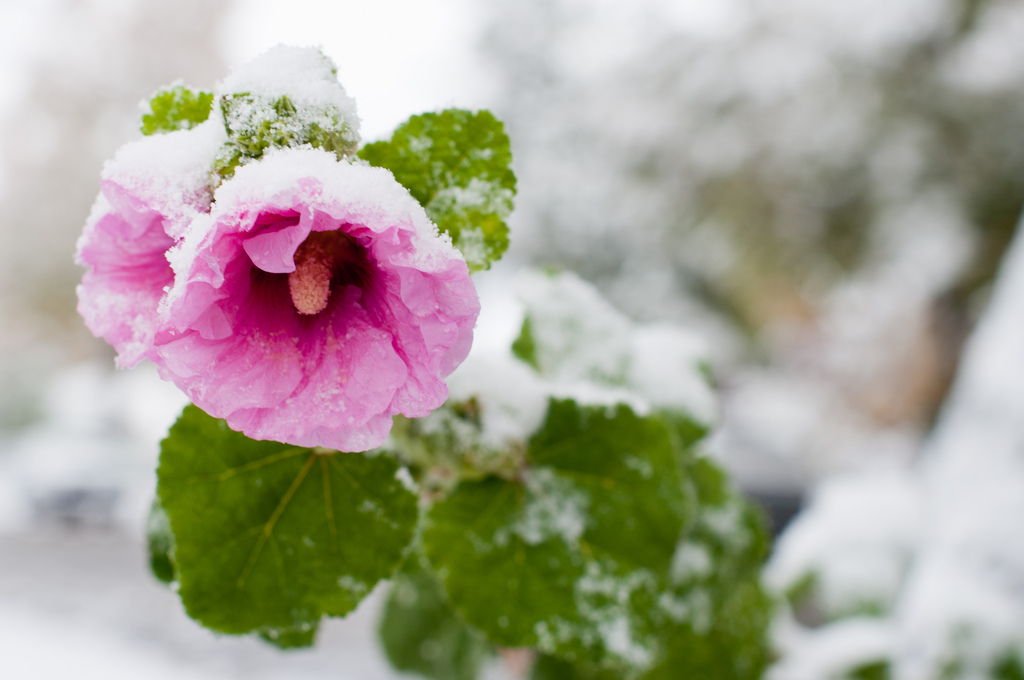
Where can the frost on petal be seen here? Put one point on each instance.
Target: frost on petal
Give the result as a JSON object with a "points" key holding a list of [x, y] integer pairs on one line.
{"points": [[149, 192], [315, 302]]}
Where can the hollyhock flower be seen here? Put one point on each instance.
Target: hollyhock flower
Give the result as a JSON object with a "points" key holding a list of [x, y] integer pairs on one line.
{"points": [[149, 192], [314, 302]]}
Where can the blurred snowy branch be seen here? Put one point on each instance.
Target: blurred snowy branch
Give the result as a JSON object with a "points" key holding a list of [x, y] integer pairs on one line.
{"points": [[934, 553]]}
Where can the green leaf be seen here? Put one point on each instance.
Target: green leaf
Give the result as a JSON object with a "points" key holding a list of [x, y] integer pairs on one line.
{"points": [[548, 667], [457, 164], [685, 430], [724, 548], [720, 627], [421, 633], [573, 556], [160, 543], [626, 465], [525, 347], [449, 446], [257, 123], [1008, 666], [880, 670], [734, 646], [302, 636], [176, 108], [269, 537]]}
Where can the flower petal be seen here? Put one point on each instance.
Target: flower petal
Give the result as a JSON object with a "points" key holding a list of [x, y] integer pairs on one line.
{"points": [[235, 343]]}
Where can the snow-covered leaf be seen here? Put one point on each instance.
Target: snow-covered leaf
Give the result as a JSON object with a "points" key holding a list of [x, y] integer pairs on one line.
{"points": [[571, 556], [269, 537], [287, 97], [589, 350], [733, 647], [718, 614], [257, 125], [720, 611], [457, 164]]}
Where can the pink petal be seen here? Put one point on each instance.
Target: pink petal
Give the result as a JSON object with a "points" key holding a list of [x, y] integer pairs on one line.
{"points": [[235, 343]]}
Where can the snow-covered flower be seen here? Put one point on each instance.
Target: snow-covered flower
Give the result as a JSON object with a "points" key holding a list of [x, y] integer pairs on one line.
{"points": [[314, 302], [302, 297], [149, 192]]}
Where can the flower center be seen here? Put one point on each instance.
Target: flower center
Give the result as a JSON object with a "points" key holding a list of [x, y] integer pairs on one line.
{"points": [[324, 260]]}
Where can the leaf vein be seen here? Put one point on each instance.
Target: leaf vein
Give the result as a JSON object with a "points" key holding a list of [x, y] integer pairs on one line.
{"points": [[230, 472], [282, 578], [268, 528], [353, 482]]}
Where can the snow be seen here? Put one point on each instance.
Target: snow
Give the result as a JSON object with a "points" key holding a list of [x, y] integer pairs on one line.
{"points": [[589, 351], [356, 192], [604, 600], [578, 335], [501, 311], [617, 139], [396, 57], [487, 196], [831, 651], [857, 541], [618, 637], [969, 576], [91, 458], [937, 549], [992, 57], [848, 395], [690, 561], [303, 74], [82, 604], [664, 359], [871, 29], [171, 170], [555, 508], [404, 478], [29, 640], [512, 399], [969, 564]]}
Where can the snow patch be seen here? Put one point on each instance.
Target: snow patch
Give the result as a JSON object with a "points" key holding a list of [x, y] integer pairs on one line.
{"points": [[303, 74], [555, 508]]}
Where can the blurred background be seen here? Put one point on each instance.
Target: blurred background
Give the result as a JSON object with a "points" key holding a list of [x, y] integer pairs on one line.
{"points": [[824, 190]]}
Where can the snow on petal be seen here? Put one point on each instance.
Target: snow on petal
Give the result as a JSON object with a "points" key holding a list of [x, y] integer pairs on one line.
{"points": [[398, 316], [149, 192]]}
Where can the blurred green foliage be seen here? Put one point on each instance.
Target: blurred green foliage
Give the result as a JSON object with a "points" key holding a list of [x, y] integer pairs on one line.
{"points": [[176, 108]]}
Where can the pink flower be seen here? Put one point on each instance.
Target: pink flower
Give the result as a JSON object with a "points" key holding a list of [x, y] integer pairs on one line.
{"points": [[149, 193], [314, 302]]}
